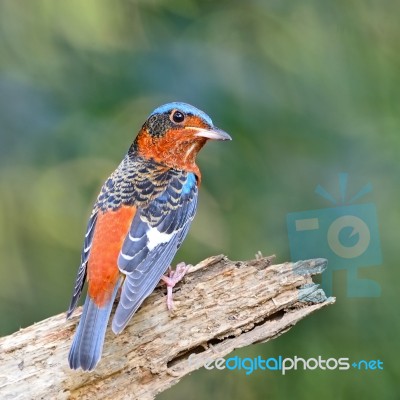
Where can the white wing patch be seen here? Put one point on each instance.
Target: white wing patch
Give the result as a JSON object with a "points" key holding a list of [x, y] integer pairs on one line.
{"points": [[155, 237]]}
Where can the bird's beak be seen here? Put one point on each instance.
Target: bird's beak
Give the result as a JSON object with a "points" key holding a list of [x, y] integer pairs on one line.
{"points": [[213, 133]]}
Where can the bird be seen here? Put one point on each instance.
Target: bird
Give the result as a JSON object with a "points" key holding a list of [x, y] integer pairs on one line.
{"points": [[139, 220]]}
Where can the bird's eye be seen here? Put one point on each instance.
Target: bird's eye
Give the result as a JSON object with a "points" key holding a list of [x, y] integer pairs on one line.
{"points": [[178, 116]]}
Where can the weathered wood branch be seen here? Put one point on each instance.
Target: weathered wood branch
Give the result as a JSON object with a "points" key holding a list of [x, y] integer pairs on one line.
{"points": [[220, 306]]}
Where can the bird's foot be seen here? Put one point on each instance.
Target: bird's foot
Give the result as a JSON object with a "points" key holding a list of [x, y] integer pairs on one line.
{"points": [[174, 276]]}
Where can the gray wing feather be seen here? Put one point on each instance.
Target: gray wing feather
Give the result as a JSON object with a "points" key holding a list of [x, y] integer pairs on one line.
{"points": [[143, 258], [81, 275]]}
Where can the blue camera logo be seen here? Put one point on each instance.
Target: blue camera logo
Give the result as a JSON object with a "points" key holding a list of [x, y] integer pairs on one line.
{"points": [[347, 235]]}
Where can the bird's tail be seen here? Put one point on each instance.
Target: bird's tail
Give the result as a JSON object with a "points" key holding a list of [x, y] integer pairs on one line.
{"points": [[87, 345]]}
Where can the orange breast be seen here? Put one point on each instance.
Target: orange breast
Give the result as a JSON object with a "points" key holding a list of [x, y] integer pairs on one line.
{"points": [[111, 229]]}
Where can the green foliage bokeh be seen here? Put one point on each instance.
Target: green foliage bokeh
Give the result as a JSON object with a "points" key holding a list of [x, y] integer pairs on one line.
{"points": [[307, 89]]}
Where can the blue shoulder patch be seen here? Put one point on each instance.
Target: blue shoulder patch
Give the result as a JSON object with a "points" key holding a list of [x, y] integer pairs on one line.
{"points": [[190, 182]]}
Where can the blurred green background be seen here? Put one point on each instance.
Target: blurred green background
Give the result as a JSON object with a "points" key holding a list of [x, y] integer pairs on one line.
{"points": [[307, 89]]}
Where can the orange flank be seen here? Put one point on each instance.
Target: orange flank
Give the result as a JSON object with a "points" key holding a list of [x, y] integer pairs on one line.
{"points": [[111, 229]]}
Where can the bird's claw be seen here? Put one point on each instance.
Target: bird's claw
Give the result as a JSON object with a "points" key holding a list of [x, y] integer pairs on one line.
{"points": [[174, 276]]}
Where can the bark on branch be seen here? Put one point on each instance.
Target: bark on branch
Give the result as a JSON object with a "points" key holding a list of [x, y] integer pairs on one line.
{"points": [[221, 305]]}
